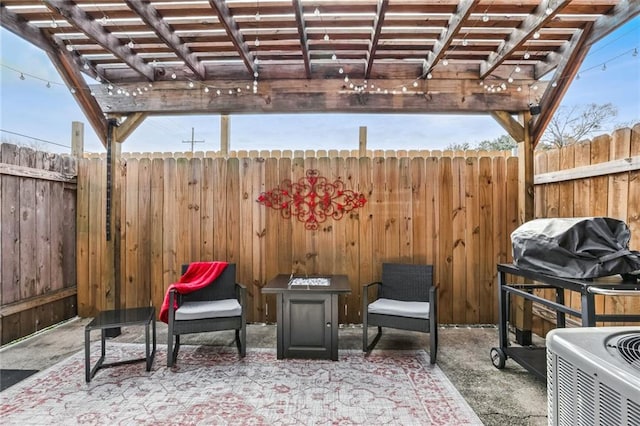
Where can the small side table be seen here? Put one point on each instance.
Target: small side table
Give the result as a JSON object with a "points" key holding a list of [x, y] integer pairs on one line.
{"points": [[120, 318]]}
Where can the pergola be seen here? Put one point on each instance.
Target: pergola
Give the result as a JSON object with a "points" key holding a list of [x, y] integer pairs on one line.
{"points": [[500, 57]]}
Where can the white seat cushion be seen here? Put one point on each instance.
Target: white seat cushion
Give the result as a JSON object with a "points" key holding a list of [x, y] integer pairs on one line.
{"points": [[208, 309], [400, 308]]}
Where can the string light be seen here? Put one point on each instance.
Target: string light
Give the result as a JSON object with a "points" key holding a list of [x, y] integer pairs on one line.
{"points": [[326, 37], [21, 76]]}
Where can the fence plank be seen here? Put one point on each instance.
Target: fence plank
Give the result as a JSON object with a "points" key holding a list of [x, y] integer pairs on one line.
{"points": [[472, 239], [156, 232], [486, 268], [445, 240], [459, 259], [143, 279], [618, 191], [130, 240]]}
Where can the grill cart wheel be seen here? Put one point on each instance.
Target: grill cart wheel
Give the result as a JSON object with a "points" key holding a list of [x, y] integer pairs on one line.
{"points": [[498, 358]]}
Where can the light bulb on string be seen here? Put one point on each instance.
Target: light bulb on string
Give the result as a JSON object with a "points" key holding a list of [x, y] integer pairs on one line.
{"points": [[131, 44], [510, 79], [54, 24], [174, 76], [527, 55], [110, 87], [429, 76], [85, 66], [326, 37], [48, 85], [21, 76], [485, 17], [72, 90], [517, 69], [635, 52], [191, 84], [218, 92], [340, 71], [536, 35], [445, 62], [465, 42], [257, 16], [316, 12], [257, 43], [415, 84], [206, 90], [604, 67], [255, 74], [104, 20], [69, 47], [346, 78], [334, 57], [554, 84]]}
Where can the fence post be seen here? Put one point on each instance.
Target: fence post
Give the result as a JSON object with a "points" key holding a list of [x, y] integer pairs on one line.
{"points": [[77, 139], [362, 146], [224, 135]]}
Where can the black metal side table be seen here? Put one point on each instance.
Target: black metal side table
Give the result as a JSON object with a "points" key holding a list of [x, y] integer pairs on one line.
{"points": [[120, 318]]}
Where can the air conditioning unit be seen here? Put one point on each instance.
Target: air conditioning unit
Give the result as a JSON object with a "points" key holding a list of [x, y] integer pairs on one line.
{"points": [[593, 376]]}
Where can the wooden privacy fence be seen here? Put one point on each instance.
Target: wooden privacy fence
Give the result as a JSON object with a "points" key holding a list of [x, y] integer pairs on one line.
{"points": [[600, 177], [37, 240], [453, 212]]}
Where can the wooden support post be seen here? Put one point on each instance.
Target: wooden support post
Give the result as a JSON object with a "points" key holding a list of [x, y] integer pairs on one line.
{"points": [[224, 135], [362, 145], [115, 176], [524, 308], [77, 139]]}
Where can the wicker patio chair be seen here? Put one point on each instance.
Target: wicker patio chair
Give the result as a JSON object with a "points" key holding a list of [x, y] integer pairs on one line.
{"points": [[406, 299], [218, 306]]}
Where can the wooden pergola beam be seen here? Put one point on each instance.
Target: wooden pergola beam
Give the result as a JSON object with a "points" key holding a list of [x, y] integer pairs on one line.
{"points": [[379, 21], [622, 12], [564, 74], [155, 21], [124, 130], [514, 128], [17, 25], [304, 41], [289, 96], [233, 31], [532, 23], [82, 93], [85, 23], [444, 41]]}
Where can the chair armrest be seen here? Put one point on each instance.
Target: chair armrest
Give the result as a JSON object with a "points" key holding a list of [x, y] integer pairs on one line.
{"points": [[433, 303], [241, 291], [173, 294], [365, 292]]}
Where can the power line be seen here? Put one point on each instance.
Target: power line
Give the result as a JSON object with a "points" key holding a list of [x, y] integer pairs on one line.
{"points": [[34, 138]]}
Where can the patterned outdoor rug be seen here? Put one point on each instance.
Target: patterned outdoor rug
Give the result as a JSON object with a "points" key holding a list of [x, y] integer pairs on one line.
{"points": [[212, 386]]}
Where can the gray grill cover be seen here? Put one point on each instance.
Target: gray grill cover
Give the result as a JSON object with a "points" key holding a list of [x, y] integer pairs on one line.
{"points": [[587, 247]]}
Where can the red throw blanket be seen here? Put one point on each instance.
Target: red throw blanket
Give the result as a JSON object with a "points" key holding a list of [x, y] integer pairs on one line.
{"points": [[198, 275]]}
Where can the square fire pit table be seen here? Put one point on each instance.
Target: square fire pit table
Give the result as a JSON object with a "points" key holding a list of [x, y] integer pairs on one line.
{"points": [[120, 318], [307, 315]]}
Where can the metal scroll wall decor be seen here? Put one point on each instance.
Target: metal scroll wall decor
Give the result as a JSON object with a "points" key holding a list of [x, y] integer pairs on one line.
{"points": [[312, 200]]}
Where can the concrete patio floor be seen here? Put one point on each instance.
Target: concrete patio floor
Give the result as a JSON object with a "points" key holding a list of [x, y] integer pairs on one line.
{"points": [[511, 396]]}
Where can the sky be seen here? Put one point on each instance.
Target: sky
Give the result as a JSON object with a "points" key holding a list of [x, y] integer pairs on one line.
{"points": [[32, 114]]}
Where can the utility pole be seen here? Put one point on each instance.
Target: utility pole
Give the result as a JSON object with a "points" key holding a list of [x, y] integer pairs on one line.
{"points": [[193, 141]]}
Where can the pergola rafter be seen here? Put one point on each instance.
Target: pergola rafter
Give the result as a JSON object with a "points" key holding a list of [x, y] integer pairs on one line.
{"points": [[85, 23], [529, 27], [233, 31], [153, 19], [199, 59]]}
